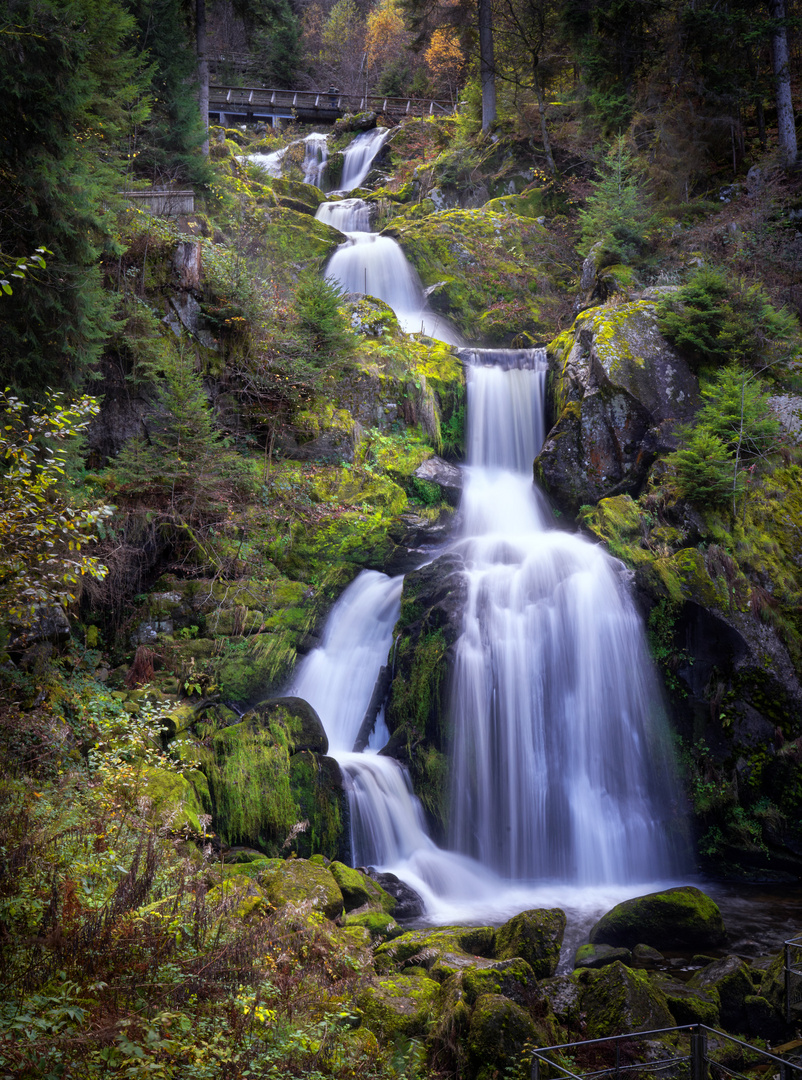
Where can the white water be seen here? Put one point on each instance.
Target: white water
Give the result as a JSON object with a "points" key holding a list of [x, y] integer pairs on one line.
{"points": [[316, 152], [560, 766], [359, 156]]}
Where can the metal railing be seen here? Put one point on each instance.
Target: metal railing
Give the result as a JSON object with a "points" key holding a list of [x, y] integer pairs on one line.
{"points": [[792, 950], [696, 1064], [260, 99]]}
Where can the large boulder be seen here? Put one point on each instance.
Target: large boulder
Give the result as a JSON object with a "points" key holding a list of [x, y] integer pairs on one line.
{"points": [[678, 918], [298, 881], [689, 1004], [617, 999], [618, 390], [399, 1006], [442, 950], [360, 891], [305, 728], [534, 935], [444, 475], [499, 1031], [729, 979]]}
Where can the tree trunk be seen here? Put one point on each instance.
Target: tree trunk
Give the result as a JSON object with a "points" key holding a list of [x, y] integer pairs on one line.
{"points": [[541, 107], [487, 66], [786, 131], [203, 68]]}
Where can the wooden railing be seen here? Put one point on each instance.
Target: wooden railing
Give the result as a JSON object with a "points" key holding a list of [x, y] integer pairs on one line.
{"points": [[254, 101]]}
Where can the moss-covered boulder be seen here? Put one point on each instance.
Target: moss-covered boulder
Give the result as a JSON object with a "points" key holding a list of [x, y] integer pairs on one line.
{"points": [[618, 388], [729, 979], [317, 788], [513, 979], [617, 999], [378, 924], [304, 726], [441, 950], [534, 935], [683, 917], [294, 195], [299, 881], [359, 890], [596, 956], [398, 1007], [498, 1033], [689, 1004], [181, 797], [494, 274]]}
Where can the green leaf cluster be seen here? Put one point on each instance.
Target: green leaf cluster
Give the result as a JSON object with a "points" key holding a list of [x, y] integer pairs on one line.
{"points": [[42, 536]]}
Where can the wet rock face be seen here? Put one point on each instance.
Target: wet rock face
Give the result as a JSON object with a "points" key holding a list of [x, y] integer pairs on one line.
{"points": [[618, 391], [617, 999], [446, 476]]}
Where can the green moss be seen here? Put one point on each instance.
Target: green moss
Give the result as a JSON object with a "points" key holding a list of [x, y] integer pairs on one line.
{"points": [[378, 924], [316, 788], [182, 797], [616, 998], [399, 1006], [358, 889], [249, 779], [499, 1032], [297, 882]]}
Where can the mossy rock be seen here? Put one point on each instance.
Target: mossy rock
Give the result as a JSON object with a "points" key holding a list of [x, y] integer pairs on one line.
{"points": [[301, 721], [616, 999], [498, 1034], [683, 917], [181, 798], [297, 881], [763, 1020], [444, 948], [513, 979], [529, 204], [399, 1007], [496, 272], [180, 717], [689, 1005], [316, 785], [305, 198], [596, 956], [729, 979], [534, 935], [378, 924], [359, 890]]}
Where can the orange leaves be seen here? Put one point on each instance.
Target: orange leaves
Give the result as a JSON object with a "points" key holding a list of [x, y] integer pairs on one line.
{"points": [[445, 60]]}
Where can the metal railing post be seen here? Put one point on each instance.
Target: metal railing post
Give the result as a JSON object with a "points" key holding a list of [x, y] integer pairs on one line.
{"points": [[535, 1068], [787, 952], [698, 1054]]}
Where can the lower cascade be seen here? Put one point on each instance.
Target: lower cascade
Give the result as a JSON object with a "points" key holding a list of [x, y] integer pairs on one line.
{"points": [[561, 771]]}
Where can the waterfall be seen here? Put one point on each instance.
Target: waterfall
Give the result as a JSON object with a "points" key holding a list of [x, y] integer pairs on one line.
{"points": [[316, 153], [359, 156], [563, 787], [560, 763]]}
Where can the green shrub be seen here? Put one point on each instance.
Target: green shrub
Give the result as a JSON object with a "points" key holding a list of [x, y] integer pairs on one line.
{"points": [[714, 320]]}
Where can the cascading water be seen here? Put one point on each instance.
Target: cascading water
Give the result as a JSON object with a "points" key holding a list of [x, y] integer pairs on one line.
{"points": [[561, 776], [367, 263], [359, 156], [316, 153], [560, 766]]}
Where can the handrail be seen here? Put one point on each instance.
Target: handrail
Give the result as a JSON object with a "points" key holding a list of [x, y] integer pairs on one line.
{"points": [[235, 95], [791, 999], [697, 1056]]}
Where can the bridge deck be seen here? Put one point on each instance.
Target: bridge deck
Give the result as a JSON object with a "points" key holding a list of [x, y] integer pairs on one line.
{"points": [[259, 103]]}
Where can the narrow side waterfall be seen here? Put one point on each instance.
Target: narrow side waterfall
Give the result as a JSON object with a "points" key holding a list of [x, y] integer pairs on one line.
{"points": [[388, 828], [316, 153], [561, 768], [359, 156]]}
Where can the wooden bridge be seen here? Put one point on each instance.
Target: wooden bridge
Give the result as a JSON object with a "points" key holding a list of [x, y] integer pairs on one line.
{"points": [[230, 104]]}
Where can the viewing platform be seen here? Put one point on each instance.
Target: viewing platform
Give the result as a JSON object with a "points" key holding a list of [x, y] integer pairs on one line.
{"points": [[250, 104]]}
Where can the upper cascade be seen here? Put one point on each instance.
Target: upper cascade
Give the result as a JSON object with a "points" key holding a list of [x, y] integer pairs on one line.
{"points": [[316, 153]]}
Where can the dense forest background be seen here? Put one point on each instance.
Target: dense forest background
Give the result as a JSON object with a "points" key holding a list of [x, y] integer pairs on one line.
{"points": [[192, 469]]}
